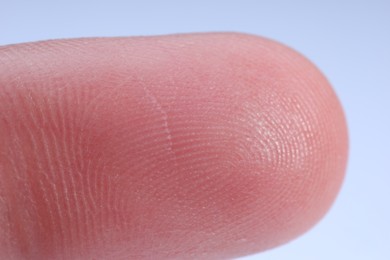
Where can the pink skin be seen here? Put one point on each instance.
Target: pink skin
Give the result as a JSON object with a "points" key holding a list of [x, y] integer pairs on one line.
{"points": [[204, 146]]}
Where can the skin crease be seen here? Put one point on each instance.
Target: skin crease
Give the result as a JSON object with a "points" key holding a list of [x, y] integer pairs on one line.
{"points": [[202, 146]]}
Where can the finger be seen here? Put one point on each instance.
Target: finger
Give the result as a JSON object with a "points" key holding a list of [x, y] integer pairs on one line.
{"points": [[202, 146]]}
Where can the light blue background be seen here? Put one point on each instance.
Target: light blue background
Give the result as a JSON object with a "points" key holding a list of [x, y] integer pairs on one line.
{"points": [[348, 40]]}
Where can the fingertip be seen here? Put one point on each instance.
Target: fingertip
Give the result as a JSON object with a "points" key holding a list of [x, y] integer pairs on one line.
{"points": [[173, 147]]}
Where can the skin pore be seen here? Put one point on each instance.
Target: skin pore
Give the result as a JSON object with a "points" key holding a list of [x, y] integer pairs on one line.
{"points": [[198, 146]]}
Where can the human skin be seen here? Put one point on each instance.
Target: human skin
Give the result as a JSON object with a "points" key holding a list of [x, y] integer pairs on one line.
{"points": [[202, 146]]}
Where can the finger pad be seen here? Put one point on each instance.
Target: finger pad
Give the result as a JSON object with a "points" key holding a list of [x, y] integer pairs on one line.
{"points": [[214, 145]]}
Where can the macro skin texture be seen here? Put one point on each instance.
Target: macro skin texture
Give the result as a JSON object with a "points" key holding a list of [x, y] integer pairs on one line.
{"points": [[204, 146]]}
